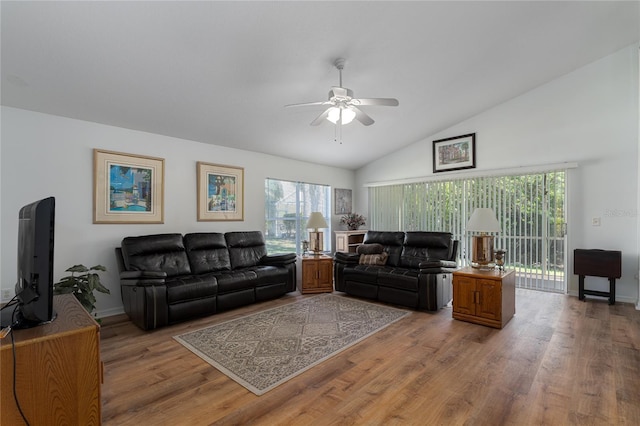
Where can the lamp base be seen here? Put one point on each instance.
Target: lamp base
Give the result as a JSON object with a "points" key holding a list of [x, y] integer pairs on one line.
{"points": [[483, 266], [482, 252], [315, 242]]}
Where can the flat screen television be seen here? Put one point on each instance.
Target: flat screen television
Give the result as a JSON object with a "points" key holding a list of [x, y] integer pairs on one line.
{"points": [[34, 287]]}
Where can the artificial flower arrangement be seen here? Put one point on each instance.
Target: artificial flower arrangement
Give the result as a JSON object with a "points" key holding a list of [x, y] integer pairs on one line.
{"points": [[353, 221]]}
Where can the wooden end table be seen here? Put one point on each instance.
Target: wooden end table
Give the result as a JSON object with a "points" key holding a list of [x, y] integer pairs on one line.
{"points": [[486, 297], [317, 274]]}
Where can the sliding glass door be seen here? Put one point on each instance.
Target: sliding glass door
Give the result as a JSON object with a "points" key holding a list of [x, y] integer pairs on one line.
{"points": [[530, 208]]}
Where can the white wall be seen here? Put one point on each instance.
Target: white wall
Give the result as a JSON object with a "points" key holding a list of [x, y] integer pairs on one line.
{"points": [[589, 116], [44, 155]]}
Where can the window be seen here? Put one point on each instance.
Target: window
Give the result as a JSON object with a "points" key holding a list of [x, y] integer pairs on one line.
{"points": [[531, 210], [287, 209]]}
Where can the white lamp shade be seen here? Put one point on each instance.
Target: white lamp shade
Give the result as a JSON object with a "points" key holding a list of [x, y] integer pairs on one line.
{"points": [[316, 220], [483, 220], [347, 115]]}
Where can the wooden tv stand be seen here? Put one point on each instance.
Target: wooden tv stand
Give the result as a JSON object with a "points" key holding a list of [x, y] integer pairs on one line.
{"points": [[58, 369]]}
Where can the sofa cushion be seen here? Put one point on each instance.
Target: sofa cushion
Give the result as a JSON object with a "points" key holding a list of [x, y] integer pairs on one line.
{"points": [[423, 246], [391, 241], [374, 259], [267, 274], [245, 248], [402, 278], [207, 252], [230, 281], [160, 252], [362, 273], [182, 289]]}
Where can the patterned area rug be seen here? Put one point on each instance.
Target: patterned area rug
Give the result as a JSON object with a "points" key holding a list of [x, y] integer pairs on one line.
{"points": [[265, 349]]}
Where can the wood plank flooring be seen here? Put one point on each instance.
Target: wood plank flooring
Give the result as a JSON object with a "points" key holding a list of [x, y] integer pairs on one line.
{"points": [[559, 361]]}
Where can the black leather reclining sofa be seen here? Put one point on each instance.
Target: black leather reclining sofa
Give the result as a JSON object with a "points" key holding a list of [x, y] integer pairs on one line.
{"points": [[168, 278], [411, 274]]}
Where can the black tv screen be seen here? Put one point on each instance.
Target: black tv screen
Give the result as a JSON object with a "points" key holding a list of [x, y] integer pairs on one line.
{"points": [[34, 287]]}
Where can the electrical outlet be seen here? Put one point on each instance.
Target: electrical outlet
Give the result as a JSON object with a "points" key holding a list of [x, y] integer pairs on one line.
{"points": [[6, 294], [595, 221]]}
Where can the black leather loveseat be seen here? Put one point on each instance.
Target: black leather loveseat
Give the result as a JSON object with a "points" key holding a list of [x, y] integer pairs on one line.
{"points": [[168, 278], [410, 274]]}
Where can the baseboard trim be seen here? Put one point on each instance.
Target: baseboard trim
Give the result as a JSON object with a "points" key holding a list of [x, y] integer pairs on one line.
{"points": [[621, 299], [110, 312]]}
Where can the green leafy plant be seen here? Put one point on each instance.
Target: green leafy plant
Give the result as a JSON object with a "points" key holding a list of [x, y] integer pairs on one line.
{"points": [[353, 220], [82, 283]]}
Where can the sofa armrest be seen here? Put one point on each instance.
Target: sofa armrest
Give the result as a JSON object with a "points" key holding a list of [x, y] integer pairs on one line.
{"points": [[145, 302], [428, 264], [142, 278], [346, 258], [437, 266], [278, 259]]}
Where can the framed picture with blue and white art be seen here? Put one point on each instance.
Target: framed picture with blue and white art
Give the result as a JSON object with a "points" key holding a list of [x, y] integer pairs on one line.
{"points": [[220, 192], [127, 188]]}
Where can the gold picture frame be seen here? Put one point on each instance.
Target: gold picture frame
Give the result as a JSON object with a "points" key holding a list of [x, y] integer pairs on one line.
{"points": [[220, 192], [127, 188]]}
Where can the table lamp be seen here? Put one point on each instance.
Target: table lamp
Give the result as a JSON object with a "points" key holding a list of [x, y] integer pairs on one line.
{"points": [[483, 220], [316, 220]]}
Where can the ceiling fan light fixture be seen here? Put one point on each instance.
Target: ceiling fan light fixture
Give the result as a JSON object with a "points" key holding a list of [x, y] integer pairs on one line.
{"points": [[343, 107], [347, 115]]}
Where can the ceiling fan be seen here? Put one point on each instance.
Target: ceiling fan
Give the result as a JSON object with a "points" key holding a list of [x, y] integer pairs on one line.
{"points": [[343, 107]]}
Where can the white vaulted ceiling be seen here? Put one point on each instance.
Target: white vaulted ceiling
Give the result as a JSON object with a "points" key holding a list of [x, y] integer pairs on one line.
{"points": [[221, 72]]}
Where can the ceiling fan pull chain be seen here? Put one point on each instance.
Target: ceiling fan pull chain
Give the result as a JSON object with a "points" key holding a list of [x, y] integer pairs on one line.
{"points": [[337, 135], [340, 126]]}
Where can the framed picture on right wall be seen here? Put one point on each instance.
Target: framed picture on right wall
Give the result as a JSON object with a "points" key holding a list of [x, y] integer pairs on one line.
{"points": [[456, 153]]}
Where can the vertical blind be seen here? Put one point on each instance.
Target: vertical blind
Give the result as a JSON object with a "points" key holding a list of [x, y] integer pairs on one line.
{"points": [[530, 208]]}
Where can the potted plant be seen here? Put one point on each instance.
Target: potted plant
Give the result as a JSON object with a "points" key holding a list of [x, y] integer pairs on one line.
{"points": [[82, 283], [353, 221]]}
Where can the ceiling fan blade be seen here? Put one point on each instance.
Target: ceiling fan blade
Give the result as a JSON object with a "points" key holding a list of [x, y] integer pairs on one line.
{"points": [[362, 117], [376, 101], [319, 119], [308, 104]]}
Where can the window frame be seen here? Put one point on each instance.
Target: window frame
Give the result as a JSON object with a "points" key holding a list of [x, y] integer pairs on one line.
{"points": [[301, 197]]}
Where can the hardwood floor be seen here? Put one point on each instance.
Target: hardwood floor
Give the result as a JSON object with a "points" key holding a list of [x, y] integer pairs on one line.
{"points": [[559, 361]]}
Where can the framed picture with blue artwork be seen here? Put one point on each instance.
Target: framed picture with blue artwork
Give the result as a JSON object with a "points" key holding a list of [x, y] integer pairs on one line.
{"points": [[127, 188], [220, 192]]}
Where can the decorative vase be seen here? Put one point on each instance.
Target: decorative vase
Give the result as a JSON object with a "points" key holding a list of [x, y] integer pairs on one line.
{"points": [[500, 259], [353, 227]]}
